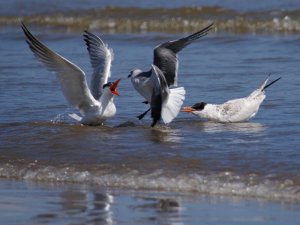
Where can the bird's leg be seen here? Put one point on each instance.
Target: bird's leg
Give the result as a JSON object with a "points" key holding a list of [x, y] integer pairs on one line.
{"points": [[154, 122], [143, 114]]}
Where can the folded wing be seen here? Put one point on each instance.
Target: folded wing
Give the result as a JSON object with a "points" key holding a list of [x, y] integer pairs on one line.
{"points": [[160, 93]]}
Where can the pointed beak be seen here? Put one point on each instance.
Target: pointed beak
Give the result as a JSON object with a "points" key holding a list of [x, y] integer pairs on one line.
{"points": [[113, 87], [129, 76], [187, 109]]}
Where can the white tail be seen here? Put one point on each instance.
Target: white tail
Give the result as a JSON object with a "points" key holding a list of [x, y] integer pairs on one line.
{"points": [[75, 117], [172, 106]]}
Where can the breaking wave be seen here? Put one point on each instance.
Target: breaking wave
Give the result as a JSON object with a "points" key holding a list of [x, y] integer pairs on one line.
{"points": [[184, 19], [222, 183]]}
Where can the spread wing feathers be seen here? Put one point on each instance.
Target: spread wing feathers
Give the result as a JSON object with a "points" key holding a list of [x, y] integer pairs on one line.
{"points": [[165, 55], [101, 57], [72, 78], [160, 94]]}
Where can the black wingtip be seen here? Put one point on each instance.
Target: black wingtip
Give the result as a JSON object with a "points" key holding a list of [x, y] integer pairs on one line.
{"points": [[87, 33], [23, 26], [210, 26], [27, 33], [90, 37], [273, 82], [200, 33]]}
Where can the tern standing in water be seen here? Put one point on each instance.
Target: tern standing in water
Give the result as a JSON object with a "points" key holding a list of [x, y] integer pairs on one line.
{"points": [[236, 110], [95, 105], [165, 64]]}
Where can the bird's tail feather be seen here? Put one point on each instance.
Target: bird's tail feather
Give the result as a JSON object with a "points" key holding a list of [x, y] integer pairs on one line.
{"points": [[268, 85], [75, 117], [172, 106], [264, 85]]}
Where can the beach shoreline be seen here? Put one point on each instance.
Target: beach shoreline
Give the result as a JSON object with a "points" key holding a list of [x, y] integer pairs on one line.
{"points": [[24, 202]]}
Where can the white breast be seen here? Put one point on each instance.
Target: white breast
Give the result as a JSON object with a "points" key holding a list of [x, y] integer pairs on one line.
{"points": [[143, 87]]}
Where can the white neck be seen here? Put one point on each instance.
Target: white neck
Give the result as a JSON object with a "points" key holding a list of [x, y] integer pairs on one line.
{"points": [[209, 112], [106, 98], [102, 111]]}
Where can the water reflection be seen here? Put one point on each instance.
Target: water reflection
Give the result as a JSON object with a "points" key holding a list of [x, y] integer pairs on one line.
{"points": [[246, 127], [166, 134], [164, 210], [214, 127], [94, 208]]}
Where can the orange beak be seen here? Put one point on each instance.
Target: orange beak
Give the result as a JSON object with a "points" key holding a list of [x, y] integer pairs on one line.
{"points": [[187, 109], [113, 87]]}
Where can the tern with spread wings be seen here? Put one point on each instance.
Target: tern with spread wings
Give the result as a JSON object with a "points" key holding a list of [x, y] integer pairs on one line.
{"points": [[96, 104]]}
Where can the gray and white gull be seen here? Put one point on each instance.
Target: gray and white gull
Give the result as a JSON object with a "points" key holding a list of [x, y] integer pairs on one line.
{"points": [[162, 78], [95, 105]]}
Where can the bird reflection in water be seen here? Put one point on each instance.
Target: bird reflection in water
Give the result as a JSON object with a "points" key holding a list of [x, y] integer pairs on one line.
{"points": [[216, 127], [165, 210], [166, 134], [245, 127], [91, 207]]}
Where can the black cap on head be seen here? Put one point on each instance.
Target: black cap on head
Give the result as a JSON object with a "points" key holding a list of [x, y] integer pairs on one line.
{"points": [[107, 84], [199, 106]]}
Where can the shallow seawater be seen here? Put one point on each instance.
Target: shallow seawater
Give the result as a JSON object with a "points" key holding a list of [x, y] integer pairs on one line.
{"points": [[83, 204], [259, 159]]}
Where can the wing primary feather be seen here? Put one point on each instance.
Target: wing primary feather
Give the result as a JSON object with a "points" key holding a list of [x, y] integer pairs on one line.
{"points": [[200, 33], [178, 45], [165, 55], [159, 94], [100, 58], [72, 78]]}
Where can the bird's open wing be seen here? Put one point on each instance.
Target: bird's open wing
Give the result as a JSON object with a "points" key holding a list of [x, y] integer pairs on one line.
{"points": [[101, 57], [72, 78], [165, 55]]}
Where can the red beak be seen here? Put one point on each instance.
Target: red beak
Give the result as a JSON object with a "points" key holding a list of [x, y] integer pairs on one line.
{"points": [[113, 88], [187, 109]]}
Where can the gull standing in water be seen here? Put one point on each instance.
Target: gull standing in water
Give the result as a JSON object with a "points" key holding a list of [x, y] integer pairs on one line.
{"points": [[236, 110], [95, 105], [162, 76]]}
